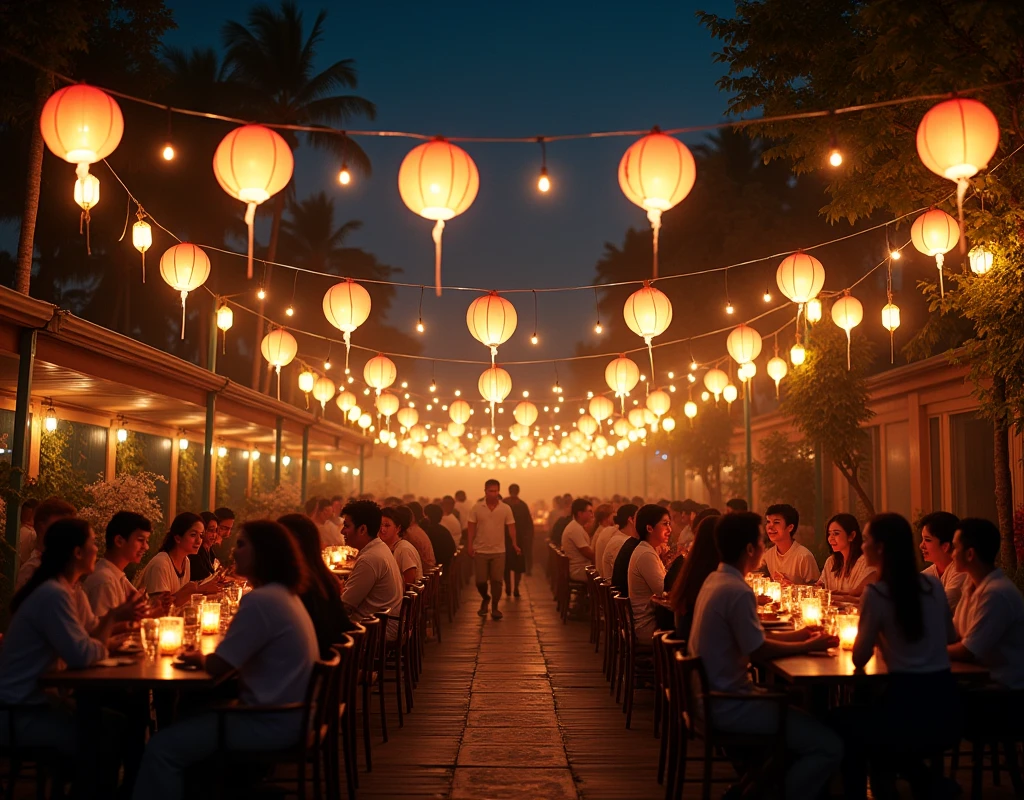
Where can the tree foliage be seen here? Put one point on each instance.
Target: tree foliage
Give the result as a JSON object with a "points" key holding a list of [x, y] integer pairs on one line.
{"points": [[785, 472], [703, 447]]}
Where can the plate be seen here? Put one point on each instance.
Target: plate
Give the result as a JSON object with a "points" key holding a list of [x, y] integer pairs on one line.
{"points": [[130, 650], [185, 666]]}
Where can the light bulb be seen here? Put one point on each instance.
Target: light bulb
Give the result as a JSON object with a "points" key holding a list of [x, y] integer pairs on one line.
{"points": [[328, 466], [255, 455], [262, 295], [221, 452], [122, 434], [526, 393], [286, 460], [691, 378], [534, 339], [183, 443], [50, 420], [433, 387], [895, 255], [458, 392], [728, 308], [290, 311], [327, 365], [835, 158], [544, 182], [168, 152], [693, 366], [598, 328], [344, 177], [767, 297], [419, 327]]}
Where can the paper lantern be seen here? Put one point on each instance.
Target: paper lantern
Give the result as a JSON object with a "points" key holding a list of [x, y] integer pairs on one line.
{"points": [[225, 319], [601, 408], [648, 313], [184, 267], [407, 417], [323, 390], [777, 369], [525, 413], [495, 385], [935, 233], [252, 164], [491, 320], [459, 411], [797, 354], [345, 400], [346, 306], [364, 421], [668, 424], [418, 433], [716, 380], [656, 173], [306, 381], [730, 393], [747, 371], [743, 344], [87, 195], [279, 348], [636, 417], [980, 259], [659, 402], [800, 277], [586, 425], [438, 180], [142, 240], [847, 313], [456, 429], [890, 317], [812, 310], [690, 409], [387, 404], [354, 413], [622, 375], [379, 372]]}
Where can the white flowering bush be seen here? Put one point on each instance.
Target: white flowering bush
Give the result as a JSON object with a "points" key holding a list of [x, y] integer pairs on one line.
{"points": [[283, 499], [126, 492]]}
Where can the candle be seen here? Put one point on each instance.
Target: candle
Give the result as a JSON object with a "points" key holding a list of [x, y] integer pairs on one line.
{"points": [[847, 630], [810, 611], [172, 632], [336, 555], [773, 589], [211, 618]]}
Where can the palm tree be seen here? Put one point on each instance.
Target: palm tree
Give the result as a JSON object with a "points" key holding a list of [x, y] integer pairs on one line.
{"points": [[309, 235], [270, 62]]}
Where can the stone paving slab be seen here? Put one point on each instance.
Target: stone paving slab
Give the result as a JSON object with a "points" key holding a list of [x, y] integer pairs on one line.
{"points": [[513, 784]]}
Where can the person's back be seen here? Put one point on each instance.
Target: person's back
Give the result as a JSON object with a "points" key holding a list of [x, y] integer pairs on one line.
{"points": [[440, 541], [600, 542], [322, 602], [418, 538], [620, 573], [611, 552], [559, 529], [375, 584]]}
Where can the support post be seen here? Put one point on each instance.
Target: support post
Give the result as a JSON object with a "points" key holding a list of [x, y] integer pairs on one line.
{"points": [[362, 466], [750, 457], [305, 462], [208, 477], [19, 451], [211, 353], [278, 451]]}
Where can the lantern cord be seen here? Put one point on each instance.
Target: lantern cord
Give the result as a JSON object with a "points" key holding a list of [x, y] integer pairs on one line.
{"points": [[223, 338], [494, 354], [654, 215], [940, 259], [348, 347], [277, 369], [962, 185], [183, 296], [436, 235], [250, 218], [847, 349]]}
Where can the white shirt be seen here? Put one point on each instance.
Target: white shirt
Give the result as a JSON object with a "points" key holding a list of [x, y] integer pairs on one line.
{"points": [[685, 538], [797, 565], [408, 557], [375, 584], [27, 569], [330, 535], [646, 578], [107, 587], [599, 543], [454, 527], [845, 583], [26, 543], [45, 628], [573, 538], [611, 552], [725, 632], [464, 509], [877, 626], [161, 576], [990, 621], [490, 527], [952, 581]]}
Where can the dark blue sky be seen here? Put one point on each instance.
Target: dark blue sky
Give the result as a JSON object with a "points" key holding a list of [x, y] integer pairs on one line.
{"points": [[521, 69]]}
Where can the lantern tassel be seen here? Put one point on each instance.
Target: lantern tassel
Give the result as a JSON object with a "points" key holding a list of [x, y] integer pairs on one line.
{"points": [[492, 416], [277, 369], [939, 261], [83, 227], [250, 219], [892, 348], [494, 354], [436, 236], [348, 346], [183, 296], [143, 266], [962, 185], [776, 390], [654, 215], [847, 350], [650, 355]]}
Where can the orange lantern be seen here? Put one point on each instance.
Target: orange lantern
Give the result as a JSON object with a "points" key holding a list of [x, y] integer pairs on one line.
{"points": [[656, 173], [743, 344], [800, 278], [252, 163], [648, 313], [185, 267], [438, 180], [491, 320], [935, 233], [347, 306], [621, 375], [279, 349], [847, 313], [495, 385], [379, 372]]}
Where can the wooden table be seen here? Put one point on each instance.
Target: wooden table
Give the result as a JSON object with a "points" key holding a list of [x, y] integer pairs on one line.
{"points": [[838, 670]]}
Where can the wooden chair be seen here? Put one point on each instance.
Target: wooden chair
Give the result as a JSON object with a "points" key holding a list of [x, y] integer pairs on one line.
{"points": [[608, 616], [697, 715], [630, 653], [432, 605], [596, 622], [399, 652], [666, 703], [373, 647], [25, 761], [993, 724], [341, 716], [379, 665]]}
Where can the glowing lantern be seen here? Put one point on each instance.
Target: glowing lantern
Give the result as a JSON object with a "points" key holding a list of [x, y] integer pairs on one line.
{"points": [[747, 371], [621, 426], [365, 421], [730, 394], [743, 344], [586, 425], [438, 180], [656, 173], [306, 381], [407, 417], [601, 408], [659, 402], [185, 268], [648, 313], [847, 313], [87, 195], [459, 411], [690, 409], [668, 424], [622, 375], [379, 372], [323, 390], [279, 348], [354, 413], [797, 354], [636, 417], [418, 433], [812, 310], [491, 320], [345, 401], [980, 259], [777, 369], [347, 306], [456, 429], [525, 413], [800, 278], [495, 385], [142, 239], [716, 380], [225, 317], [252, 164], [890, 317], [935, 233], [387, 404]]}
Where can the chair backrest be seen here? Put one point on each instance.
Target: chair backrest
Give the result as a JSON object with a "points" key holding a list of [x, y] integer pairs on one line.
{"points": [[624, 612], [371, 645], [383, 617], [405, 616], [319, 695], [348, 670], [692, 685]]}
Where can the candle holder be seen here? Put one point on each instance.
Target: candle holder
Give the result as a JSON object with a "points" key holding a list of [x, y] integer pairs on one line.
{"points": [[810, 611], [172, 635], [211, 618], [848, 626], [773, 589]]}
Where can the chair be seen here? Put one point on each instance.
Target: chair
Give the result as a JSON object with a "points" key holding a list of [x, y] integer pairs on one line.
{"points": [[595, 607], [666, 704], [399, 650], [341, 715], [608, 617], [993, 722], [432, 606], [373, 644], [697, 714], [379, 664], [21, 756], [629, 651], [309, 748]]}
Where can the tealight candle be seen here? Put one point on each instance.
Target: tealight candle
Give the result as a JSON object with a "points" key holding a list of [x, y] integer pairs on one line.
{"points": [[773, 589], [336, 555], [172, 633], [211, 618], [810, 611], [848, 624]]}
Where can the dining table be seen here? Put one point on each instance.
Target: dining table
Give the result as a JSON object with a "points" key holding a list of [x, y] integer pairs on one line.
{"points": [[835, 668]]}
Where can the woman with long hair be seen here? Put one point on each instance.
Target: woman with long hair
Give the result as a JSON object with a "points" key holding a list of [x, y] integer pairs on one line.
{"points": [[701, 562], [846, 572], [906, 617], [393, 526], [322, 597], [646, 574], [272, 645], [169, 571]]}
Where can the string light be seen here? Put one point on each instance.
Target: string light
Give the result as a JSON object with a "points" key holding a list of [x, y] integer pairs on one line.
{"points": [[327, 361], [168, 152], [534, 339], [261, 293], [728, 303], [290, 311], [597, 309], [344, 176], [544, 181]]}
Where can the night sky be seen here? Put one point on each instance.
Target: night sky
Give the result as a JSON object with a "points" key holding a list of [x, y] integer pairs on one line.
{"points": [[521, 69]]}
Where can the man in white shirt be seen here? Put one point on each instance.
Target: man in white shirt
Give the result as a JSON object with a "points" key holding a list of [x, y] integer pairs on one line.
{"points": [[48, 512], [127, 540], [485, 544], [576, 542], [599, 542], [937, 531], [727, 635], [990, 616], [375, 583], [449, 520], [320, 510], [789, 561]]}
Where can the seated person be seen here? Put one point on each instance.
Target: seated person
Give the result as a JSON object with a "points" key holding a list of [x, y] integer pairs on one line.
{"points": [[789, 561], [989, 619], [576, 541], [727, 635], [46, 513], [937, 531], [646, 574], [417, 537], [270, 642], [204, 563], [127, 540], [393, 525], [604, 528], [440, 539], [169, 572], [701, 562], [625, 528], [846, 571], [620, 569], [375, 583], [27, 531], [321, 511]]}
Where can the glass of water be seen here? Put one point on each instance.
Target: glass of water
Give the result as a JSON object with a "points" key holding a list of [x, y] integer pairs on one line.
{"points": [[149, 632]]}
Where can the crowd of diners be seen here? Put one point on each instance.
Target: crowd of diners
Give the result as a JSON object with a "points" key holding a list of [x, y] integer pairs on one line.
{"points": [[698, 560], [72, 607]]}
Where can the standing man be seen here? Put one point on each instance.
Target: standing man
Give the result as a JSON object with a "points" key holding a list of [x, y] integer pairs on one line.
{"points": [[524, 526], [576, 541], [485, 544]]}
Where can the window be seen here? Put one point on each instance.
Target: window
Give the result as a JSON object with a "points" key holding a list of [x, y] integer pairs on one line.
{"points": [[897, 468], [935, 452], [971, 463]]}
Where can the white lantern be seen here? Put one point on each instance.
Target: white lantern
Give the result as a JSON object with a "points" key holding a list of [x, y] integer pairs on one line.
{"points": [[668, 424], [587, 425], [890, 317], [456, 429], [494, 385], [407, 417], [935, 233], [345, 400], [622, 375], [690, 409], [777, 369], [800, 278], [716, 380], [648, 313], [306, 381], [847, 313], [184, 267], [730, 393], [387, 404], [659, 402], [601, 408], [323, 390], [812, 310], [347, 306], [491, 320], [980, 259], [459, 411], [797, 354], [636, 417], [747, 371], [743, 344], [279, 348], [525, 413], [142, 240], [379, 372]]}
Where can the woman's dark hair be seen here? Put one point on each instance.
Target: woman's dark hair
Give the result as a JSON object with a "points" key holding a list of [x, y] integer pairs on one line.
{"points": [[61, 539], [400, 515], [894, 540], [276, 556], [848, 523], [179, 527], [415, 509], [208, 517], [702, 561], [647, 517], [703, 514], [307, 537], [624, 513]]}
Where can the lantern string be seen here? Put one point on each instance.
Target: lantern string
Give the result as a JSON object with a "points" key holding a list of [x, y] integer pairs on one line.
{"points": [[250, 219], [940, 259], [183, 296], [654, 215], [436, 236], [962, 185]]}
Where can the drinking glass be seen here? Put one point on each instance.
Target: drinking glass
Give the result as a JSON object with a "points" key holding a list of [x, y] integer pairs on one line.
{"points": [[825, 595], [191, 638], [197, 600], [149, 633]]}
